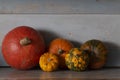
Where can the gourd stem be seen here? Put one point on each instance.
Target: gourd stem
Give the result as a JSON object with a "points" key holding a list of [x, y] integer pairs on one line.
{"points": [[25, 41], [60, 51], [48, 59]]}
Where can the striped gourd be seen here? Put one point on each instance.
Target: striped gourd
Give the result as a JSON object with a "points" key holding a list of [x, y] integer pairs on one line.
{"points": [[98, 53]]}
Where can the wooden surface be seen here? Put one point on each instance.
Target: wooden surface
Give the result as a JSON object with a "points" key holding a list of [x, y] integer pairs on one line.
{"points": [[59, 6], [37, 74]]}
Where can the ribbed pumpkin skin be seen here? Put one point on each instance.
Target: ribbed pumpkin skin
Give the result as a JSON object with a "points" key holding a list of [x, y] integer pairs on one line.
{"points": [[60, 47], [22, 56], [98, 53], [77, 60]]}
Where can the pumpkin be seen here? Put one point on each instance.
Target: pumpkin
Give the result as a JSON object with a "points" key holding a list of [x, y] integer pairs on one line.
{"points": [[77, 59], [22, 47], [98, 53], [60, 47], [49, 62]]}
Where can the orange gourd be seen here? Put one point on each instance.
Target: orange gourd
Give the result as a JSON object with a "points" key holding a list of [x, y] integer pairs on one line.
{"points": [[60, 47]]}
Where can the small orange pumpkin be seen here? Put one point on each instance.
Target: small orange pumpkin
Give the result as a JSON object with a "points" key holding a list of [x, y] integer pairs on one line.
{"points": [[60, 47]]}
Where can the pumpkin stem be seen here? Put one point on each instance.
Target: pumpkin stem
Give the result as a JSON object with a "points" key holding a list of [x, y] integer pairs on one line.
{"points": [[48, 59], [60, 51], [25, 41]]}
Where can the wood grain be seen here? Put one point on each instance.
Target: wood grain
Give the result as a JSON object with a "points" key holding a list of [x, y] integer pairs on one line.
{"points": [[59, 7], [37, 74]]}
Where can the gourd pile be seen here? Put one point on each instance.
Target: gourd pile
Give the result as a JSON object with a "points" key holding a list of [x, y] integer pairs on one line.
{"points": [[24, 48]]}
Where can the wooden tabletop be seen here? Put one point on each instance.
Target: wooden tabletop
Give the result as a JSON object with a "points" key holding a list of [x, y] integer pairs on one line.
{"points": [[37, 74]]}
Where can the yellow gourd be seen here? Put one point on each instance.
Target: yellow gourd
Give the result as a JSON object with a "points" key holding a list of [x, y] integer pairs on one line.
{"points": [[49, 62]]}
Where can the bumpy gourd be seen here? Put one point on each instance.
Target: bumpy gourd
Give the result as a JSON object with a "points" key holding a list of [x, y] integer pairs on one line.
{"points": [[77, 59]]}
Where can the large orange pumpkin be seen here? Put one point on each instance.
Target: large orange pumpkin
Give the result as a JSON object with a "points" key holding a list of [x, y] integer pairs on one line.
{"points": [[22, 47], [60, 47]]}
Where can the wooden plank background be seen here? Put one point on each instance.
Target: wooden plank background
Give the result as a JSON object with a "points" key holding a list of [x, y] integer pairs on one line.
{"points": [[60, 6]]}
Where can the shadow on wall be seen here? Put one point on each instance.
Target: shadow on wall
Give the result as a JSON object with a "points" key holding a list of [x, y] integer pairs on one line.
{"points": [[50, 35], [2, 61], [113, 57]]}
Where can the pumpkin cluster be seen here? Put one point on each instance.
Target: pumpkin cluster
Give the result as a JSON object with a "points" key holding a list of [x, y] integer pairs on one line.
{"points": [[91, 55], [58, 47], [24, 48]]}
